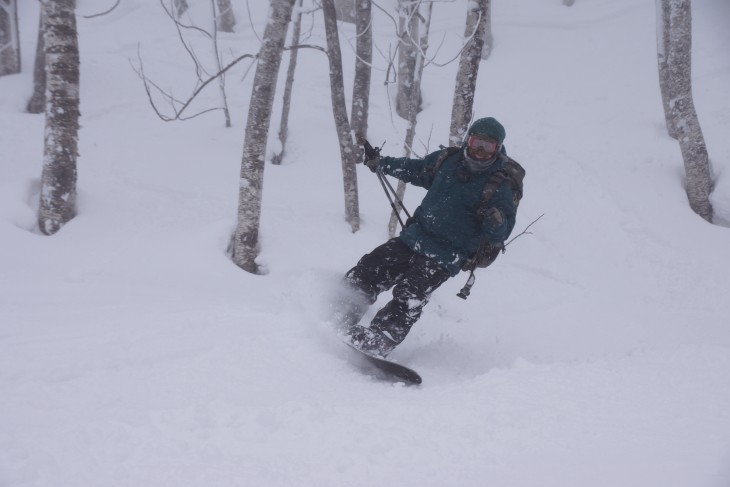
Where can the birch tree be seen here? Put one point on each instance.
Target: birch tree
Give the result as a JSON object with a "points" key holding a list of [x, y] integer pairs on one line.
{"points": [[684, 114], [466, 78], [488, 36], [58, 180], [37, 102], [407, 53], [662, 43], [424, 16], [346, 10], [348, 152], [9, 38], [363, 67], [226, 19], [245, 244], [180, 7], [219, 18], [288, 87]]}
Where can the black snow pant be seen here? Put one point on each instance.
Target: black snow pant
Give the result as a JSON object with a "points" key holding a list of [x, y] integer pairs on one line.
{"points": [[413, 278]]}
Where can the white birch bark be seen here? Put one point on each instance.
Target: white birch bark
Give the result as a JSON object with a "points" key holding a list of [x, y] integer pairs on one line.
{"points": [[363, 68], [407, 52], [9, 38], [222, 77], [346, 10], [245, 243], [466, 78], [424, 16], [180, 7], [348, 153], [288, 87], [662, 43], [689, 133], [488, 36], [225, 20], [37, 102], [58, 180]]}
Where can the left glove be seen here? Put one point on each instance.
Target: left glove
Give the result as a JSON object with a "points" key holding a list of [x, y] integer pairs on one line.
{"points": [[372, 154], [373, 164]]}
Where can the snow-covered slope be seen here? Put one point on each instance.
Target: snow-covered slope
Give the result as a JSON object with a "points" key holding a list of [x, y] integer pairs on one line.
{"points": [[595, 352]]}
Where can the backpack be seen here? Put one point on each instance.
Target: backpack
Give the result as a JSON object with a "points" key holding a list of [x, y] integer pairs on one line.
{"points": [[513, 172]]}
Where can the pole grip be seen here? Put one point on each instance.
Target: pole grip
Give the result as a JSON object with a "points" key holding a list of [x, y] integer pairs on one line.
{"points": [[466, 290]]}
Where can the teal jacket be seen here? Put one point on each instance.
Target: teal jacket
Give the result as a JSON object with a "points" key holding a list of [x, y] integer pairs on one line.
{"points": [[446, 226]]}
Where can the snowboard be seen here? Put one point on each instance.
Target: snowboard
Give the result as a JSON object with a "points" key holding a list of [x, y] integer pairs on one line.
{"points": [[386, 368]]}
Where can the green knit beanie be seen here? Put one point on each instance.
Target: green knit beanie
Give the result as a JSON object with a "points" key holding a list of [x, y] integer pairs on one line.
{"points": [[489, 127]]}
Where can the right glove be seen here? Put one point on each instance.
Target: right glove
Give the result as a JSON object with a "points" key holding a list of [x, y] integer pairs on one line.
{"points": [[484, 256]]}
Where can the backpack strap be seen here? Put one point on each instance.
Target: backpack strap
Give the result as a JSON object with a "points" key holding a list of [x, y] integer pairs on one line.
{"points": [[446, 152], [493, 184], [512, 172], [516, 176]]}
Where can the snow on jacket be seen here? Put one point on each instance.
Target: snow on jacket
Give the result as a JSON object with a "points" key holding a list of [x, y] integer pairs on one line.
{"points": [[446, 226]]}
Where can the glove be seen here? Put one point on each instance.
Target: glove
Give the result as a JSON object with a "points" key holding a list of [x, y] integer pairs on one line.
{"points": [[484, 256], [370, 151], [494, 217], [373, 164], [372, 154]]}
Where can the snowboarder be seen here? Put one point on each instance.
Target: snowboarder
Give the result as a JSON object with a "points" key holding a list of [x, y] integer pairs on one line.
{"points": [[462, 223]]}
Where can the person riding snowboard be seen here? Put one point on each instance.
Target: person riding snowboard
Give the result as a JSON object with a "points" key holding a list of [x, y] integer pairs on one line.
{"points": [[452, 229]]}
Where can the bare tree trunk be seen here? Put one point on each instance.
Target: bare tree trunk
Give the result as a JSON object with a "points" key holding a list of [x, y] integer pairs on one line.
{"points": [[246, 237], [37, 102], [488, 37], [9, 38], [346, 10], [407, 53], [466, 78], [222, 78], [689, 133], [363, 68], [424, 16], [58, 180], [348, 152], [225, 20], [180, 7], [662, 38], [293, 53]]}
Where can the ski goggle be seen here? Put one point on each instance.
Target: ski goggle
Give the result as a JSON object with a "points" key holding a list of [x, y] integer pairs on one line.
{"points": [[481, 147]]}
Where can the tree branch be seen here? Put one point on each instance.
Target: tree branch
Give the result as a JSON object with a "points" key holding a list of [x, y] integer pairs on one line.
{"points": [[525, 231], [306, 46], [102, 13], [184, 105]]}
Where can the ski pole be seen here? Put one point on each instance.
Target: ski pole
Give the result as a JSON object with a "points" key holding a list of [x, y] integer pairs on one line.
{"points": [[388, 188], [395, 194], [392, 195], [383, 182]]}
